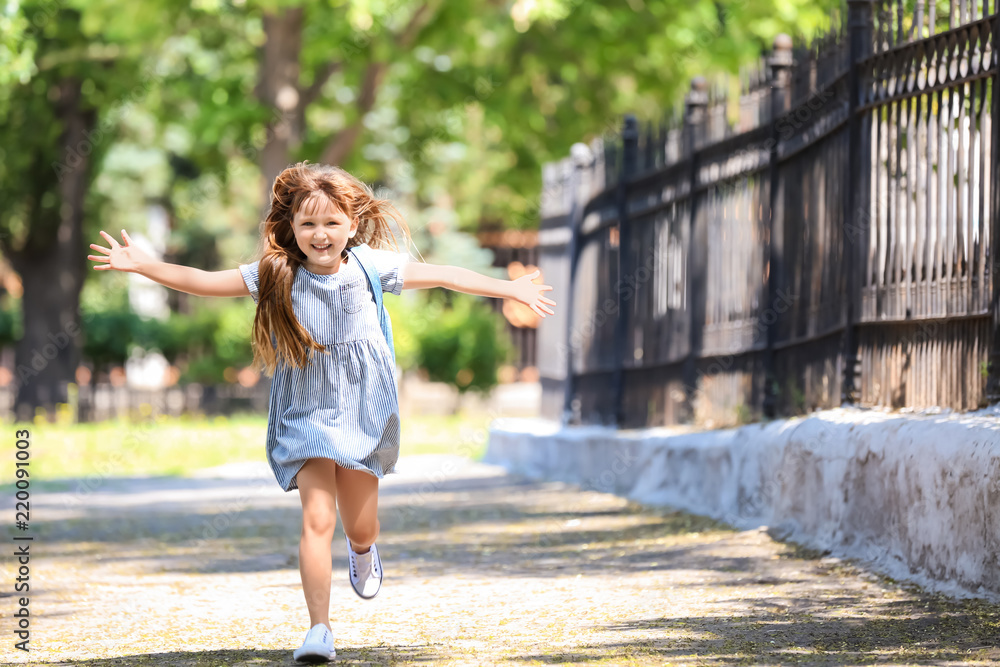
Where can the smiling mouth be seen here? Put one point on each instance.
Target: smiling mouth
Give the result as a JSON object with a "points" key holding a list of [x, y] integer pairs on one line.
{"points": [[322, 247]]}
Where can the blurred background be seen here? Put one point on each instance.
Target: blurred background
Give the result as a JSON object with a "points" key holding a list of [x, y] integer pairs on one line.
{"points": [[172, 119]]}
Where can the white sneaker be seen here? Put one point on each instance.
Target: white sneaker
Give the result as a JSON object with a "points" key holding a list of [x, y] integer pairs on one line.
{"points": [[365, 571], [317, 647]]}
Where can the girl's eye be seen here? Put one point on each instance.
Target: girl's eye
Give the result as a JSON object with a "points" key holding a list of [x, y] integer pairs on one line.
{"points": [[331, 222]]}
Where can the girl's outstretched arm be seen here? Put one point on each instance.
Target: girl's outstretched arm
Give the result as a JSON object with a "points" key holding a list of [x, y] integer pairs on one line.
{"points": [[417, 275], [131, 259]]}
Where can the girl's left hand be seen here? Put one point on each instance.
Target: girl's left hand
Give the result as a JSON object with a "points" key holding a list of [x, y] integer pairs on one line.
{"points": [[528, 293]]}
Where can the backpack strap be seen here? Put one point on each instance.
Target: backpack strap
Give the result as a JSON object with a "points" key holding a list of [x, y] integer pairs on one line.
{"points": [[362, 253]]}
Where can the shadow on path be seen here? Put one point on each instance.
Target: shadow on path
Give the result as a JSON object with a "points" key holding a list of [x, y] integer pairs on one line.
{"points": [[773, 639], [481, 568], [265, 658]]}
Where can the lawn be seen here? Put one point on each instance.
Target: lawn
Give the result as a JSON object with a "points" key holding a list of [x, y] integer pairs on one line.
{"points": [[179, 445]]}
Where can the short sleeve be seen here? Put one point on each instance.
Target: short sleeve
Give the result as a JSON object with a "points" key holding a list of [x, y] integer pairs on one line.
{"points": [[390, 269], [250, 277]]}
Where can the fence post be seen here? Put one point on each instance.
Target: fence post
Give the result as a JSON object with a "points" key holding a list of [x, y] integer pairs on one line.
{"points": [[856, 194], [630, 165], [780, 63], [695, 105], [582, 159], [993, 362]]}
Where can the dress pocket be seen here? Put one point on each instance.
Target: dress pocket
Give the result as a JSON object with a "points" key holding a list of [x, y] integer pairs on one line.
{"points": [[353, 295]]}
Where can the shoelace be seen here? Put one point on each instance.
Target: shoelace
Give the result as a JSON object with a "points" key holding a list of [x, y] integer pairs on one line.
{"points": [[372, 566], [326, 637]]}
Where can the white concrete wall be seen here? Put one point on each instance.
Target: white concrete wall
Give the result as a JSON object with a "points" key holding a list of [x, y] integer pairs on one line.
{"points": [[914, 497]]}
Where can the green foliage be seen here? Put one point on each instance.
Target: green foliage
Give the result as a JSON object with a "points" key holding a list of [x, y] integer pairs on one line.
{"points": [[11, 322], [108, 337], [472, 106], [219, 338], [483, 100], [215, 337], [50, 48], [404, 313], [469, 110], [456, 337], [463, 345]]}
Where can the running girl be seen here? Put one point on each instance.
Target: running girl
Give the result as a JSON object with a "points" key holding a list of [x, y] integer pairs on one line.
{"points": [[320, 333]]}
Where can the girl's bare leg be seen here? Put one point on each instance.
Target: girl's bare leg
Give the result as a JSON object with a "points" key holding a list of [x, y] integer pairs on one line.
{"points": [[357, 498], [317, 481]]}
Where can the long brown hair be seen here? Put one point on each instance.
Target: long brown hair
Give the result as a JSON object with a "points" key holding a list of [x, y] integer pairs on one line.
{"points": [[280, 256]]}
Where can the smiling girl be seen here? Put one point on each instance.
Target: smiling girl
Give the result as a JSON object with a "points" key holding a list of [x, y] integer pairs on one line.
{"points": [[320, 331]]}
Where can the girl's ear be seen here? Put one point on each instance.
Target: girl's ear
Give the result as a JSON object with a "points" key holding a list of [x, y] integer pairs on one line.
{"points": [[354, 228]]}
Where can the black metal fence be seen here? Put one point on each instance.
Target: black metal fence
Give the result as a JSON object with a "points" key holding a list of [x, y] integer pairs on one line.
{"points": [[824, 238]]}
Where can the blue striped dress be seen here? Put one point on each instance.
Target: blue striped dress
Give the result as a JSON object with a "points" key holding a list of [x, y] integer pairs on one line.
{"points": [[343, 405]]}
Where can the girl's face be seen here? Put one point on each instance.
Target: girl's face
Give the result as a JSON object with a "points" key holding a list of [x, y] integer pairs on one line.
{"points": [[321, 232]]}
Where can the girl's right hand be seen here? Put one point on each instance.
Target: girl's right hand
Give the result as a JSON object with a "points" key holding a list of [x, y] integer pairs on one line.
{"points": [[126, 257]]}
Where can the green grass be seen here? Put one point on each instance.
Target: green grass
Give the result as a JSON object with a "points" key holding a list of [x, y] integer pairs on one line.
{"points": [[180, 445]]}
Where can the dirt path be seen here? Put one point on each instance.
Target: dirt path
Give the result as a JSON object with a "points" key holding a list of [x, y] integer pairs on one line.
{"points": [[481, 569]]}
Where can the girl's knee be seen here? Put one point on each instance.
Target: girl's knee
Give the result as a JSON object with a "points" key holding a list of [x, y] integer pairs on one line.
{"points": [[362, 533], [319, 522]]}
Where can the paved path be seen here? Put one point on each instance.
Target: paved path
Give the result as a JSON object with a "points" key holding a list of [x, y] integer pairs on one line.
{"points": [[481, 569]]}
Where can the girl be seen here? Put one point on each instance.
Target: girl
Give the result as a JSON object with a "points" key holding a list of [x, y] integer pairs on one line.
{"points": [[333, 417]]}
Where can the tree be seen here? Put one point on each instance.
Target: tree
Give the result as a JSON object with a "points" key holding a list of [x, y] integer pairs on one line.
{"points": [[60, 97], [282, 89], [51, 139]]}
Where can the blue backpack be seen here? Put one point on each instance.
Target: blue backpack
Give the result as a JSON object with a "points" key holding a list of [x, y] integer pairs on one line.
{"points": [[365, 260]]}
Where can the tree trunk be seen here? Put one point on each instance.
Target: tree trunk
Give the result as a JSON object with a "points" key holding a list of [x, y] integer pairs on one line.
{"points": [[48, 354], [52, 263], [278, 89]]}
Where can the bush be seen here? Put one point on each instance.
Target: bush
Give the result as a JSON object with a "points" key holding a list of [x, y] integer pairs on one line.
{"points": [[463, 344], [409, 315], [216, 336], [108, 337], [457, 338]]}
